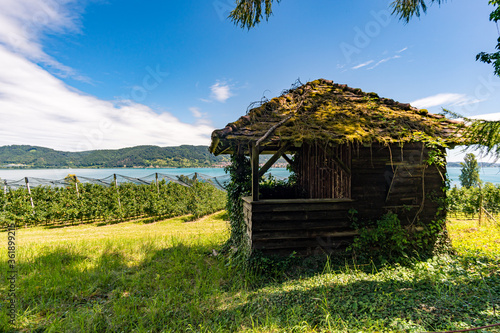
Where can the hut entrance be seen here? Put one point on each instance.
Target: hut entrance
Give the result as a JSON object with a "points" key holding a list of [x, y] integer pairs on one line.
{"points": [[324, 171]]}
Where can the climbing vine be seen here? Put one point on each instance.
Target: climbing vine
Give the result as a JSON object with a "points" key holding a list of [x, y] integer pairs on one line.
{"points": [[240, 172]]}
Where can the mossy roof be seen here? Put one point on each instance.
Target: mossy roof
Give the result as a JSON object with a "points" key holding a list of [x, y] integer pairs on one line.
{"points": [[322, 110]]}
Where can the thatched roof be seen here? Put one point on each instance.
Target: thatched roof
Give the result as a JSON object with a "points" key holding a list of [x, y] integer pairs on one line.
{"points": [[325, 111]]}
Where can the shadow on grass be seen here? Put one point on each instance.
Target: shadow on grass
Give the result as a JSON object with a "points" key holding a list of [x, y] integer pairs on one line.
{"points": [[182, 286], [427, 296]]}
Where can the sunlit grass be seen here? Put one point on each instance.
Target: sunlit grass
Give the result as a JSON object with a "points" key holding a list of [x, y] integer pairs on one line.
{"points": [[163, 277], [469, 236]]}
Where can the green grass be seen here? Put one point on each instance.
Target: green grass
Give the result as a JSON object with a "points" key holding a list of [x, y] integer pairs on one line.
{"points": [[163, 277]]}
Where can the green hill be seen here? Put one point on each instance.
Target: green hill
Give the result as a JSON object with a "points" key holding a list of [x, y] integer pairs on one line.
{"points": [[141, 156]]}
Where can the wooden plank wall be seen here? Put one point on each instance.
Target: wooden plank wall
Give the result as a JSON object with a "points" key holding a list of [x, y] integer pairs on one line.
{"points": [[386, 179], [320, 175], [306, 226]]}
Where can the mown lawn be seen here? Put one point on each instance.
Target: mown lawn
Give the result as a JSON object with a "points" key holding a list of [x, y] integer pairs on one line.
{"points": [[163, 277]]}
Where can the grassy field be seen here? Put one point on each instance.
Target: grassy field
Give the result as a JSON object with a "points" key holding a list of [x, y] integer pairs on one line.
{"points": [[163, 277]]}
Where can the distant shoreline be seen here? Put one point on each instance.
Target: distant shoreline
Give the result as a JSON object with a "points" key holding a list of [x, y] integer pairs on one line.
{"points": [[71, 168], [126, 168]]}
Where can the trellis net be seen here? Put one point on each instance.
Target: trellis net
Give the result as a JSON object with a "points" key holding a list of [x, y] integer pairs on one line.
{"points": [[219, 182]]}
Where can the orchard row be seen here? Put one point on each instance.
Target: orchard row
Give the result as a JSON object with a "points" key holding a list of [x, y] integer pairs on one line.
{"points": [[93, 202]]}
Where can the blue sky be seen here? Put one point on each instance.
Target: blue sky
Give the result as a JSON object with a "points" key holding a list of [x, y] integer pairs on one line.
{"points": [[79, 75]]}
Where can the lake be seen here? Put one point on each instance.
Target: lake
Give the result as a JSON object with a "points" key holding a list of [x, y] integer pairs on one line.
{"points": [[57, 174], [491, 175]]}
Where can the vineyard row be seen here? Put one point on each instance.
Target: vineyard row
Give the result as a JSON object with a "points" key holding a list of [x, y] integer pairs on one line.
{"points": [[92, 202]]}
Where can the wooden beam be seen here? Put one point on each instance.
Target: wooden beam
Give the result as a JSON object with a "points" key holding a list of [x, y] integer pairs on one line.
{"points": [[341, 165], [273, 159], [255, 171], [288, 159]]}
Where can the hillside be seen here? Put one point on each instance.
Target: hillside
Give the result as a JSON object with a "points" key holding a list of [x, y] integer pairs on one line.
{"points": [[141, 156]]}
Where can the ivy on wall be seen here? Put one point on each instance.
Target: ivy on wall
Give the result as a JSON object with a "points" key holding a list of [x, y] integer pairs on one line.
{"points": [[240, 185]]}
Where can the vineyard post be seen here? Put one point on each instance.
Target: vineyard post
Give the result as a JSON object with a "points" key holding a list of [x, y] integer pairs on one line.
{"points": [[117, 192], [4, 186], [157, 184], [77, 192], [480, 205], [29, 192]]}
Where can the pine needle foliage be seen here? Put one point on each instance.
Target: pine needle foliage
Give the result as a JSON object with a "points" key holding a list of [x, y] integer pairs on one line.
{"points": [[485, 136], [248, 13], [406, 9]]}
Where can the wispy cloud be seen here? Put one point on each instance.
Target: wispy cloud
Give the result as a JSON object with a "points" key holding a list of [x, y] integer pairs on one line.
{"points": [[196, 112], [384, 60], [488, 116], [221, 91], [363, 64], [23, 23], [438, 100], [445, 99], [201, 117], [402, 50]]}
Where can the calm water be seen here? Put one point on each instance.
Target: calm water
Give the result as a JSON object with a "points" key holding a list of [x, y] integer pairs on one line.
{"points": [[487, 175], [17, 174], [491, 175]]}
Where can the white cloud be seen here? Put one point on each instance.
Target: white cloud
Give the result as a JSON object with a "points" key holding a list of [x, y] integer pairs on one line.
{"points": [[438, 100], [363, 64], [488, 116], [37, 108], [201, 117], [445, 99], [221, 91], [24, 22], [385, 60], [402, 50], [196, 112]]}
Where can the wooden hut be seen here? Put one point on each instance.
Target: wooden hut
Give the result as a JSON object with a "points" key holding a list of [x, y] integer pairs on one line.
{"points": [[353, 152]]}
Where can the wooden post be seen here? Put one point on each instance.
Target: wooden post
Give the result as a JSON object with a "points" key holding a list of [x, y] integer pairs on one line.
{"points": [[4, 186], [76, 186], [480, 205], [117, 192], [255, 171], [29, 191], [157, 184]]}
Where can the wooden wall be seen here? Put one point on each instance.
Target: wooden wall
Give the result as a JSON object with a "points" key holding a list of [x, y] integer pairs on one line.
{"points": [[396, 179], [321, 174], [306, 226]]}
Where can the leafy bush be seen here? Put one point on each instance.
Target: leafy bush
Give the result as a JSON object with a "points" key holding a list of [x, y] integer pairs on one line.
{"points": [[388, 240], [468, 200], [272, 188]]}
